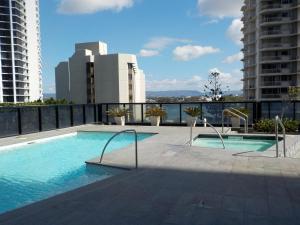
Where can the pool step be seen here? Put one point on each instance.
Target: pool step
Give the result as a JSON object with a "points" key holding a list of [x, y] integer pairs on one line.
{"points": [[236, 138]]}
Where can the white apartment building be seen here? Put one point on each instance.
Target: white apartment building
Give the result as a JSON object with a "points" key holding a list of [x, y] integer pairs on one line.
{"points": [[271, 48], [92, 75], [20, 58]]}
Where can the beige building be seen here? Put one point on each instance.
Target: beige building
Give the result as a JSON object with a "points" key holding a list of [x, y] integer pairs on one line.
{"points": [[271, 48], [93, 76]]}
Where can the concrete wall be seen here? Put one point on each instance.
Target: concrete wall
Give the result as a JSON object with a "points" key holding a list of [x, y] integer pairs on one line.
{"points": [[97, 48], [78, 76], [106, 78], [62, 82]]}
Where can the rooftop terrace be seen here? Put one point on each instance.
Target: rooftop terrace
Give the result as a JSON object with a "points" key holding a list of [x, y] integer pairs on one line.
{"points": [[175, 184]]}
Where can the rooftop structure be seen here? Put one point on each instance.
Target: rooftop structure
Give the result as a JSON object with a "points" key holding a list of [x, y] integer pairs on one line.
{"points": [[93, 76]]}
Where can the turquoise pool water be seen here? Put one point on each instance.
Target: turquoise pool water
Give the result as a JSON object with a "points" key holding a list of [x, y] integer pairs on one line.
{"points": [[37, 171], [236, 143]]}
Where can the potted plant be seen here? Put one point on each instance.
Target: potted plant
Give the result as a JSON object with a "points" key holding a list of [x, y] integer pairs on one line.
{"points": [[192, 115], [118, 115], [235, 120], [155, 114]]}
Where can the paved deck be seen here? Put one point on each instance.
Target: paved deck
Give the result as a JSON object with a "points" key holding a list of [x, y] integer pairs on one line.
{"points": [[177, 184]]}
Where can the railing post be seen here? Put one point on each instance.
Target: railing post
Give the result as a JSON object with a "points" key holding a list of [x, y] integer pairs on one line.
{"points": [[107, 119], [100, 113], [161, 119], [95, 113], [71, 116], [84, 114], [19, 121], [180, 113], [57, 117], [142, 112], [40, 118]]}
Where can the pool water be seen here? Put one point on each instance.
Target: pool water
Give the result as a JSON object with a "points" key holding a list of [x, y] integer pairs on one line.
{"points": [[236, 143], [37, 171]]}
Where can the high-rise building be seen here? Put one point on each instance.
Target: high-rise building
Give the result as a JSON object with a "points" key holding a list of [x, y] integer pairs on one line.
{"points": [[20, 58], [271, 48], [93, 76]]}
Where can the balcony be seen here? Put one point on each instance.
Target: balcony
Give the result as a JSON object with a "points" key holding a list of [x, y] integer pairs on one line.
{"points": [[278, 83], [276, 6], [278, 58], [278, 45], [277, 71], [267, 20], [278, 32]]}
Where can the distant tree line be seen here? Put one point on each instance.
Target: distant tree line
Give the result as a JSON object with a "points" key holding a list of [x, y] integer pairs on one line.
{"points": [[50, 101]]}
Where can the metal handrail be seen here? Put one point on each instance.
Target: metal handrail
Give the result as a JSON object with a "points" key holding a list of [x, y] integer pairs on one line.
{"points": [[220, 136], [243, 114], [115, 135], [234, 114], [279, 122]]}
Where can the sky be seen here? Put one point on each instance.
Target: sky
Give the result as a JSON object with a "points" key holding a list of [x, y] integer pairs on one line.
{"points": [[177, 42]]}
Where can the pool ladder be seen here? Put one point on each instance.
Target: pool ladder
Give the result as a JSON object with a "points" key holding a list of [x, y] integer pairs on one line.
{"points": [[236, 113], [278, 123], [117, 134], [211, 126]]}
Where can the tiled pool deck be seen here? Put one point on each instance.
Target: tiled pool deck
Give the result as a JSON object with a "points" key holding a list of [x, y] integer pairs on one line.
{"points": [[176, 184]]}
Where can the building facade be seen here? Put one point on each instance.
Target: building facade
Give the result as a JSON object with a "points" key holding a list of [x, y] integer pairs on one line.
{"points": [[271, 48], [20, 58], [93, 76]]}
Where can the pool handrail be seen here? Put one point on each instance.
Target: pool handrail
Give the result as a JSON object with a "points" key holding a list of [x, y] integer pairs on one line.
{"points": [[279, 122], [115, 135], [243, 114], [234, 114], [220, 136]]}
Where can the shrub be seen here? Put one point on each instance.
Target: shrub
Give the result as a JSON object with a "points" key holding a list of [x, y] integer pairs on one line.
{"points": [[155, 111], [117, 112], [291, 125], [268, 125], [193, 111], [265, 125]]}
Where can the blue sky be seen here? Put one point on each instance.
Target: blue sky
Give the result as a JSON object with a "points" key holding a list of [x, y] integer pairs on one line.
{"points": [[177, 41]]}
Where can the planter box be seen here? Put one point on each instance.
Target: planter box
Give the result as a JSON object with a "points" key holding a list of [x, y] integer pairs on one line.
{"points": [[120, 120], [191, 121], [155, 121]]}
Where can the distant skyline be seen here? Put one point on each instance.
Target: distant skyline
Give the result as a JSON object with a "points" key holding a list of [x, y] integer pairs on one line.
{"points": [[177, 42]]}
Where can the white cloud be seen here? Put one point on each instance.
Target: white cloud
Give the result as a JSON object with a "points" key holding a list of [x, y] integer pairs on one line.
{"points": [[92, 6], [220, 8], [189, 52], [160, 43], [233, 58], [232, 79], [194, 83], [234, 31], [148, 53]]}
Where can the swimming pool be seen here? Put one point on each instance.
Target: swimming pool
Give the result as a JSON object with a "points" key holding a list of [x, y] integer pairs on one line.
{"points": [[37, 171], [236, 143]]}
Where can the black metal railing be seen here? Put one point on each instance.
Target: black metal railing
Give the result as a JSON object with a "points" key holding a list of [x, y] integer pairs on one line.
{"points": [[30, 119]]}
